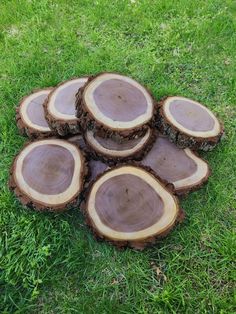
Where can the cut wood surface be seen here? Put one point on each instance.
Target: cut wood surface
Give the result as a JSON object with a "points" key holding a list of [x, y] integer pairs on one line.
{"points": [[48, 175], [188, 123], [30, 116], [60, 107], [113, 151], [181, 167], [114, 104], [130, 206]]}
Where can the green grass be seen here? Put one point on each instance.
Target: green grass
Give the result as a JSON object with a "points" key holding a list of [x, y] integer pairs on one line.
{"points": [[51, 263]]}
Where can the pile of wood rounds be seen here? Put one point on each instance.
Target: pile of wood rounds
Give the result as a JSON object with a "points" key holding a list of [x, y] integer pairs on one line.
{"points": [[104, 145]]}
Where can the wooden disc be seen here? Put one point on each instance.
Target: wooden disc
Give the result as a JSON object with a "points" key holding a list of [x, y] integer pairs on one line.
{"points": [[114, 104], [181, 167], [188, 123], [60, 107], [48, 175], [128, 205], [113, 151], [30, 116]]}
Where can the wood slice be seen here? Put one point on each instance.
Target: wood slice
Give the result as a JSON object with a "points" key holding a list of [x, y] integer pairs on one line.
{"points": [[180, 167], [115, 105], [48, 175], [188, 123], [30, 116], [60, 107], [130, 206], [113, 151]]}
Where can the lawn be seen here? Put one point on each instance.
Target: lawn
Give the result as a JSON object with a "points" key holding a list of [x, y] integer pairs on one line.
{"points": [[51, 263]]}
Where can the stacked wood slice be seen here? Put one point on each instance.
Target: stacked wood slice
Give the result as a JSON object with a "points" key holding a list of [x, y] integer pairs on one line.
{"points": [[113, 151], [180, 167], [60, 107], [30, 117], [103, 144], [115, 105], [188, 123]]}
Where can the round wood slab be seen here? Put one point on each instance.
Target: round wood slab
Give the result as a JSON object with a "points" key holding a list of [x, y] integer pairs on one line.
{"points": [[114, 104], [48, 175], [113, 151], [130, 206], [60, 107], [30, 116], [188, 123], [181, 167]]}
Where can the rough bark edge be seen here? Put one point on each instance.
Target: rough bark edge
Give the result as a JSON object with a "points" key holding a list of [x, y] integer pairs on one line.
{"points": [[60, 126], [88, 122], [25, 200], [141, 244], [179, 137], [136, 156], [27, 130]]}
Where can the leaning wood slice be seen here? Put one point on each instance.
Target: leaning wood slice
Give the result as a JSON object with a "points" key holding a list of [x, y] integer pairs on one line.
{"points": [[115, 105], [180, 167], [48, 175], [95, 167], [130, 206], [188, 123], [113, 151], [60, 107], [30, 117]]}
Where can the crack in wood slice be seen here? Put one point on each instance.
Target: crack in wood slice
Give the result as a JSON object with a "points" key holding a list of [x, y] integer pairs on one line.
{"points": [[180, 167], [30, 117], [131, 206], [60, 107], [112, 151], [188, 123], [115, 105], [48, 175]]}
